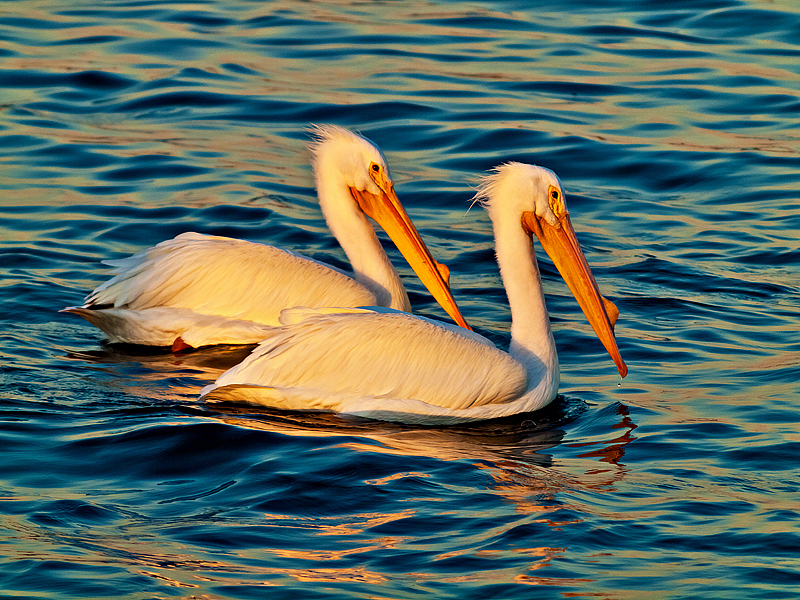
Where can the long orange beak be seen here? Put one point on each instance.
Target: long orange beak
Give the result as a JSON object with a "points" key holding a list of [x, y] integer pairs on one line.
{"points": [[386, 210], [562, 246]]}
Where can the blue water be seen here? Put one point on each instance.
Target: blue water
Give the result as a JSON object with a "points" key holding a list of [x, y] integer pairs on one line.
{"points": [[675, 129]]}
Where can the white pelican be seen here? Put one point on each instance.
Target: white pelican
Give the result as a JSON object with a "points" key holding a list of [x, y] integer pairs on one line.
{"points": [[198, 290], [395, 366]]}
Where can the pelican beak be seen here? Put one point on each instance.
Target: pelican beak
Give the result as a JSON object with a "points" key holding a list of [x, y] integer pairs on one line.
{"points": [[562, 246], [385, 209]]}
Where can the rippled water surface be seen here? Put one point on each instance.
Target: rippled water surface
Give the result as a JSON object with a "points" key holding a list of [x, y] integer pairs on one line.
{"points": [[675, 129]]}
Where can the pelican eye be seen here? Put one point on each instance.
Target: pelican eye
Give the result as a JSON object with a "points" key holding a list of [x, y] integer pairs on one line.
{"points": [[556, 201], [375, 167]]}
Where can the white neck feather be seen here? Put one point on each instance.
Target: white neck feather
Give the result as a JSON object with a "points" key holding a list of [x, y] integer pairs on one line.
{"points": [[356, 236], [532, 340]]}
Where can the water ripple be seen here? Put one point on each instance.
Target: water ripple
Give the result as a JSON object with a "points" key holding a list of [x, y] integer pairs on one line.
{"points": [[673, 128]]}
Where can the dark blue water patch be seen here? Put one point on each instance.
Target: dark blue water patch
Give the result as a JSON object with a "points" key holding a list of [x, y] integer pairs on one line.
{"points": [[71, 156], [72, 577], [223, 538], [181, 83], [322, 488], [287, 18], [775, 457], [36, 24], [68, 513], [508, 139], [203, 19], [787, 415], [277, 18], [574, 89], [665, 19], [671, 275], [114, 212], [741, 81], [235, 214], [622, 34], [409, 137], [170, 48], [767, 197], [163, 167], [645, 129], [658, 54], [198, 494], [490, 116], [736, 104], [782, 516], [773, 576], [776, 257], [732, 543], [618, 535], [285, 588], [44, 124], [206, 154], [744, 22], [480, 22], [179, 99], [327, 53], [144, 234], [14, 143], [240, 69], [106, 190], [655, 447], [356, 114], [95, 80], [708, 430], [686, 510], [164, 451], [570, 154], [19, 259], [90, 40], [712, 339], [782, 52]]}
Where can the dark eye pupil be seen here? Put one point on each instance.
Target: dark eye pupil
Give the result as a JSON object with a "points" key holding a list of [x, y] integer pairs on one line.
{"points": [[554, 194], [376, 168]]}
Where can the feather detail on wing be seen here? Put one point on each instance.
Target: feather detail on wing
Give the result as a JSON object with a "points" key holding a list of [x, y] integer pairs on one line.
{"points": [[162, 325], [227, 277], [377, 355]]}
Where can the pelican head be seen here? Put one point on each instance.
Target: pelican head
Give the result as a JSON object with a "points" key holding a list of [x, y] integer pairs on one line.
{"points": [[355, 159], [353, 179], [530, 199]]}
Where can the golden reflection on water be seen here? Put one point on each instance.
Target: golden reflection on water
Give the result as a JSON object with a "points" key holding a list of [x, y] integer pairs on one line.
{"points": [[530, 488], [521, 470], [174, 567]]}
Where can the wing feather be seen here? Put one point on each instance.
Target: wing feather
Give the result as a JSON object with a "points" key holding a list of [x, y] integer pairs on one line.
{"points": [[389, 355], [226, 277]]}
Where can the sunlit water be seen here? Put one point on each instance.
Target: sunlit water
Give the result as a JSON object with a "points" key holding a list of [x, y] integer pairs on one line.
{"points": [[675, 129]]}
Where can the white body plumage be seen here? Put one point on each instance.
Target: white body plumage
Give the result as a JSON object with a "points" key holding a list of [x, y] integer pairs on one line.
{"points": [[395, 366]]}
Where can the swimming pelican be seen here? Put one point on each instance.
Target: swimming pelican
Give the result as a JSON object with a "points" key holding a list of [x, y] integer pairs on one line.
{"points": [[198, 290], [395, 366]]}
